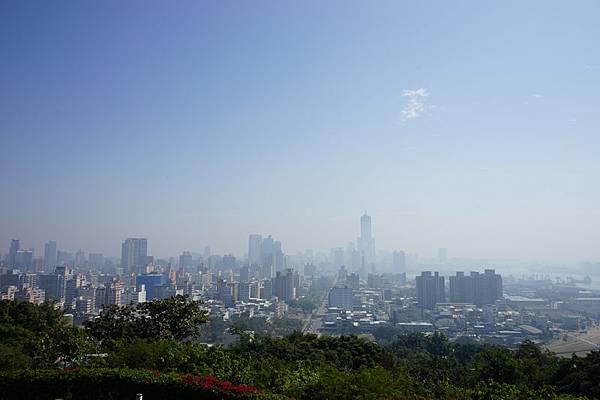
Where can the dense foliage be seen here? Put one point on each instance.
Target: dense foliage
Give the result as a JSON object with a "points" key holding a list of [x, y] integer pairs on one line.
{"points": [[37, 337], [305, 304], [101, 383], [216, 330], [124, 360], [175, 318]]}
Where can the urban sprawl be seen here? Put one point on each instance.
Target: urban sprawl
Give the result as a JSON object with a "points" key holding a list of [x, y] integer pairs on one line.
{"points": [[348, 291]]}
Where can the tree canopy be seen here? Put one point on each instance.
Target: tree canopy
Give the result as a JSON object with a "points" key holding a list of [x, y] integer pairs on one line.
{"points": [[161, 337], [176, 318]]}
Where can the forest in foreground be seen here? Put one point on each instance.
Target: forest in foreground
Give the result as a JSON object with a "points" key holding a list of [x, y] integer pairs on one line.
{"points": [[156, 349]]}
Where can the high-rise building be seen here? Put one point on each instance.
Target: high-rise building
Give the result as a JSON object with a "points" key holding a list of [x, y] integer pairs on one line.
{"points": [[24, 259], [244, 274], [79, 258], [141, 295], [476, 288], [255, 290], [110, 294], [134, 254], [63, 257], [283, 285], [185, 261], [266, 289], [229, 262], [366, 242], [353, 281], [462, 289], [15, 245], [374, 281], [83, 306], [243, 291], [267, 250], [225, 292], [150, 282], [96, 260], [38, 264], [254, 249], [341, 297], [430, 289], [272, 256], [114, 294], [399, 261], [50, 255], [72, 288], [342, 273], [491, 285], [32, 295], [54, 286]]}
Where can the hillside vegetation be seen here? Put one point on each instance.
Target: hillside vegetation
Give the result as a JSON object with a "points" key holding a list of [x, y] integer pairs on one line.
{"points": [[154, 350]]}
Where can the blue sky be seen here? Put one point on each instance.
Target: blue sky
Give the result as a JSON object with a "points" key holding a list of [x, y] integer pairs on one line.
{"points": [[200, 122]]}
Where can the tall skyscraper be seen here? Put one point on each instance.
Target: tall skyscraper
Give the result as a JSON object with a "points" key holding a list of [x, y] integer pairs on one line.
{"points": [[271, 256], [366, 242], [365, 226], [15, 245], [185, 262], [254, 249], [24, 259], [430, 289], [50, 255], [134, 254]]}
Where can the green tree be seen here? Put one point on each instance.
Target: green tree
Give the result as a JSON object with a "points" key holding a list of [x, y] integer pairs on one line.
{"points": [[176, 318], [37, 336]]}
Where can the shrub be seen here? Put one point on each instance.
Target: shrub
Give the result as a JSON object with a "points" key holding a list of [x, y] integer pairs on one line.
{"points": [[112, 384]]}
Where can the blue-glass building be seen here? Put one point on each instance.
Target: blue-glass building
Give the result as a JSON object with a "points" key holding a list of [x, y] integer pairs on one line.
{"points": [[150, 281]]}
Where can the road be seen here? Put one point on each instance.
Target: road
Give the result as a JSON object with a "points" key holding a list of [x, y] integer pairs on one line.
{"points": [[313, 322]]}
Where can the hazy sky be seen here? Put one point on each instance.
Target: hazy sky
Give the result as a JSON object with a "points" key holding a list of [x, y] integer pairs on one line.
{"points": [[462, 124]]}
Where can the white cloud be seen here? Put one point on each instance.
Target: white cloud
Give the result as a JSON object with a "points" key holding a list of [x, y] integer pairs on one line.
{"points": [[415, 106]]}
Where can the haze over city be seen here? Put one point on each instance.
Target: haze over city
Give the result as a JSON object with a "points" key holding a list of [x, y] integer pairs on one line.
{"points": [[472, 127], [299, 200]]}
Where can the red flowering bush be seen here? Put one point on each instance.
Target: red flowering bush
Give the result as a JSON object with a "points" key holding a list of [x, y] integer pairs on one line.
{"points": [[224, 388], [104, 383]]}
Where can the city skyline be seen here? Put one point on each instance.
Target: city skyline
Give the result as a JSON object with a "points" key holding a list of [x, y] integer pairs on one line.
{"points": [[253, 252], [460, 125]]}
